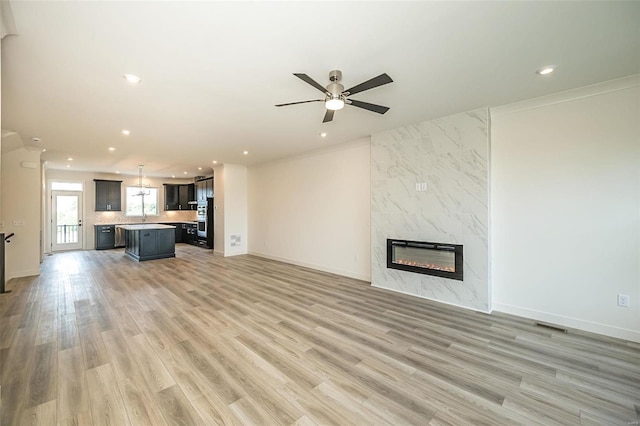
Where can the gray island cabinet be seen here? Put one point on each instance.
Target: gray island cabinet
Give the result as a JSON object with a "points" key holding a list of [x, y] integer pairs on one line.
{"points": [[149, 241]]}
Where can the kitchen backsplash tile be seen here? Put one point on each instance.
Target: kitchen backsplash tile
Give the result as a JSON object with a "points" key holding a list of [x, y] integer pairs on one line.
{"points": [[120, 217]]}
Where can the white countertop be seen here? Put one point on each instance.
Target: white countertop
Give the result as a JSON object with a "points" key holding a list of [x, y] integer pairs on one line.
{"points": [[145, 226], [145, 223]]}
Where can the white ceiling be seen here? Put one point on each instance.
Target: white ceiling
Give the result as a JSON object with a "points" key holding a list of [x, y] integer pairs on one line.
{"points": [[213, 71]]}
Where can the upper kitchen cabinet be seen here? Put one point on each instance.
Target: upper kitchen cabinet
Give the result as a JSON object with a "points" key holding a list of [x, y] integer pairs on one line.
{"points": [[209, 188], [108, 195], [179, 197], [171, 199], [204, 189], [187, 195]]}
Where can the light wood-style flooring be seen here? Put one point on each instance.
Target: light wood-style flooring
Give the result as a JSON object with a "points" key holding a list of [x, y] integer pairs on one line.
{"points": [[99, 339]]}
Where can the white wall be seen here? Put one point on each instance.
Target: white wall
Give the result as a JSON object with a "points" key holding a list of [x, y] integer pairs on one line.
{"points": [[235, 210], [21, 211], [92, 217], [313, 210], [566, 208], [1, 36], [218, 209], [230, 210]]}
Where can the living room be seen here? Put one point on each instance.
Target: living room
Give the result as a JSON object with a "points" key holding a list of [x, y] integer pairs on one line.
{"points": [[543, 192]]}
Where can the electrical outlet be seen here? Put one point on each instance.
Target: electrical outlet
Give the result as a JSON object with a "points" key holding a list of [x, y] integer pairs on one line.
{"points": [[624, 300]]}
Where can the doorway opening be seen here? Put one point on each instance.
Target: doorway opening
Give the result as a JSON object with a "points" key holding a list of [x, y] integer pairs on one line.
{"points": [[66, 216]]}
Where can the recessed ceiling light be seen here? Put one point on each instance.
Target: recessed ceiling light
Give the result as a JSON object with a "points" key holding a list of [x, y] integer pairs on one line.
{"points": [[546, 70], [69, 159], [245, 152], [132, 78], [111, 148], [117, 172], [199, 168], [214, 162], [173, 176], [44, 149], [68, 165], [323, 134], [185, 173], [126, 132]]}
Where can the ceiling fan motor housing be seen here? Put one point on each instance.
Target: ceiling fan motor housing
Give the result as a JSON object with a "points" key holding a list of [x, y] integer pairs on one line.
{"points": [[335, 75]]}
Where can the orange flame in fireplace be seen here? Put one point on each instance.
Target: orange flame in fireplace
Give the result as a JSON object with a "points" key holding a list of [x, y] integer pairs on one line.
{"points": [[426, 265]]}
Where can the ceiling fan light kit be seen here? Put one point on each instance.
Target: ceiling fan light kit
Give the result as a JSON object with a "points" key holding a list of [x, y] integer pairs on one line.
{"points": [[334, 104], [336, 97]]}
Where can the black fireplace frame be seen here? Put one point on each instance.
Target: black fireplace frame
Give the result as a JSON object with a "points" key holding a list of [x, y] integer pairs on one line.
{"points": [[456, 248]]}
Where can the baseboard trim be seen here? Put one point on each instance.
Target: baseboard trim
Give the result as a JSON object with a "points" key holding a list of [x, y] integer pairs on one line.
{"points": [[21, 274], [433, 300], [322, 268], [234, 253], [576, 323]]}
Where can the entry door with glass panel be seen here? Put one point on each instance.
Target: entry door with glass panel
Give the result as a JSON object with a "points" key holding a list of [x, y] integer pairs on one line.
{"points": [[66, 223]]}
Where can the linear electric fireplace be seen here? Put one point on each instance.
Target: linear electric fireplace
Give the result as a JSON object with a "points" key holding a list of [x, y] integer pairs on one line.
{"points": [[438, 259]]}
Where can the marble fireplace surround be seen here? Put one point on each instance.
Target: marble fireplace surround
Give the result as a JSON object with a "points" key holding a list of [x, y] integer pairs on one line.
{"points": [[451, 156]]}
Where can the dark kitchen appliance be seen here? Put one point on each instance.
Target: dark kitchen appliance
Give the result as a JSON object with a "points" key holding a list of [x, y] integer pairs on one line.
{"points": [[202, 219], [205, 222]]}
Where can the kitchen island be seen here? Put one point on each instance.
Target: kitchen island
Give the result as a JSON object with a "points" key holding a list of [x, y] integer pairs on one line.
{"points": [[149, 241]]}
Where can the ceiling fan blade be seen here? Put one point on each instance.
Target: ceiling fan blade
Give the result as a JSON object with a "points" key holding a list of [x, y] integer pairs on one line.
{"points": [[370, 84], [301, 102], [311, 81], [328, 116], [371, 107]]}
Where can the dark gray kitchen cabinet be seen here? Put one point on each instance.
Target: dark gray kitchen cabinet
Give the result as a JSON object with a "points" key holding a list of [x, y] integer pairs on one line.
{"points": [[200, 191], [166, 242], [204, 189], [186, 194], [148, 243], [178, 231], [178, 197], [105, 237], [209, 188], [190, 233], [171, 197], [108, 195]]}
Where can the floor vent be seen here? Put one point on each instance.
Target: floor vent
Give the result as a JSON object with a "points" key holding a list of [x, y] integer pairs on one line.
{"points": [[551, 327]]}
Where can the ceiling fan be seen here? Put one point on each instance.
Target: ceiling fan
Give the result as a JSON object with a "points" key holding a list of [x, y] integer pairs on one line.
{"points": [[335, 97]]}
